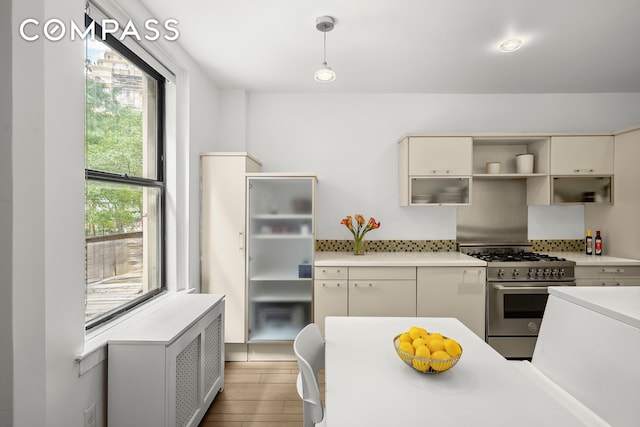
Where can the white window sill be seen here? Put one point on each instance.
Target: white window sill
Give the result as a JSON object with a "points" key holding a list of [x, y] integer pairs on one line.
{"points": [[95, 343]]}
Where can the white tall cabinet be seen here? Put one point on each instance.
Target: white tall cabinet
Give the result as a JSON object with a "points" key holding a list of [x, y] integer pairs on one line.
{"points": [[223, 213]]}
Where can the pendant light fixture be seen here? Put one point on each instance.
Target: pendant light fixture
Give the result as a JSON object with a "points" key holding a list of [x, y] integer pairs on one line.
{"points": [[325, 74]]}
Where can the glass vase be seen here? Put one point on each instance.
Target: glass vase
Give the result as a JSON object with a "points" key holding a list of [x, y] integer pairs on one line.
{"points": [[358, 245]]}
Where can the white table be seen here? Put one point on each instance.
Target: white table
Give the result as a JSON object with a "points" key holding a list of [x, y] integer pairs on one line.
{"points": [[587, 345], [368, 385]]}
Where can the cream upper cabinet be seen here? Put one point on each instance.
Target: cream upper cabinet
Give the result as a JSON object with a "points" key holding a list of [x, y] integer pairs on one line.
{"points": [[439, 155], [582, 155], [453, 292], [434, 170]]}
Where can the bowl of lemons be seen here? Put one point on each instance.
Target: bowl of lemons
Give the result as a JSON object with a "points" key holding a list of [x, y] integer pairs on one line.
{"points": [[427, 352]]}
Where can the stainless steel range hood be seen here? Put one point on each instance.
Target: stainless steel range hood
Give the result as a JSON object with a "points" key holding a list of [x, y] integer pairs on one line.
{"points": [[497, 214]]}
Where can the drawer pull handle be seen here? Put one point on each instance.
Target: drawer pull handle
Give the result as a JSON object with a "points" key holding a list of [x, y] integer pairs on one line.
{"points": [[612, 270], [324, 285]]}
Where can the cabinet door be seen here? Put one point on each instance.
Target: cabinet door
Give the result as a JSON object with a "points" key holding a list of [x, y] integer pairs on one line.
{"points": [[440, 156], [329, 299], [280, 249], [382, 298], [223, 201], [453, 292], [582, 155]]}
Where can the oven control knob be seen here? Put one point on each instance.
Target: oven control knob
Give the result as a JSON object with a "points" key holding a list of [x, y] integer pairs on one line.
{"points": [[547, 272], [532, 272], [561, 272], [500, 272], [516, 272], [532, 327], [554, 273], [539, 272]]}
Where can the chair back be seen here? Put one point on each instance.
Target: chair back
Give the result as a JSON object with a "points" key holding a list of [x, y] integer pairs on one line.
{"points": [[309, 349]]}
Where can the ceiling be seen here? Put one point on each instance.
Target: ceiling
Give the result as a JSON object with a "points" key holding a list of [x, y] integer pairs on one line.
{"points": [[413, 46]]}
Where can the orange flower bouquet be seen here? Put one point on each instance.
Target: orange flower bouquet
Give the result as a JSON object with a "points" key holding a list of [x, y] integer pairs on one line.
{"points": [[359, 230]]}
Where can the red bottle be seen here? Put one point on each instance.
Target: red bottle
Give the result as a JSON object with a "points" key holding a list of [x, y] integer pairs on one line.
{"points": [[598, 242]]}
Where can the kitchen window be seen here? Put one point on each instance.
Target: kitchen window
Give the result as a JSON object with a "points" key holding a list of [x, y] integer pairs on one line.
{"points": [[124, 180]]}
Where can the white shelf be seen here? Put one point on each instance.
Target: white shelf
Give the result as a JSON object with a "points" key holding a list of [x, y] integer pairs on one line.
{"points": [[276, 332], [282, 236], [278, 216], [279, 278], [508, 175], [282, 298]]}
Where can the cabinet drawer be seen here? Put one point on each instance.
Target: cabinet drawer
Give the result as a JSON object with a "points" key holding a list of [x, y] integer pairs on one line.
{"points": [[331, 273], [382, 273], [608, 281], [614, 271], [382, 298]]}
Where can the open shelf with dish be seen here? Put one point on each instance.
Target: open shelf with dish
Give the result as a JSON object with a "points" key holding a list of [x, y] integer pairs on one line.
{"points": [[504, 150]]}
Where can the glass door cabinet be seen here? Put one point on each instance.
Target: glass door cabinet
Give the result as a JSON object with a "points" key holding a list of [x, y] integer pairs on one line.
{"points": [[280, 248]]}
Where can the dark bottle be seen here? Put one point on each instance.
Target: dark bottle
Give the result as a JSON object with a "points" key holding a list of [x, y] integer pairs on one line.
{"points": [[598, 243], [588, 243]]}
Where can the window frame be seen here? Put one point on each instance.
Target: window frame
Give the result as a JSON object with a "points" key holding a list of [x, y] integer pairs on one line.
{"points": [[159, 182]]}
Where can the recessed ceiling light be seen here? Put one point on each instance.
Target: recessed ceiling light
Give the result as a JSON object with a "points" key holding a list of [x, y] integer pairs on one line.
{"points": [[510, 45]]}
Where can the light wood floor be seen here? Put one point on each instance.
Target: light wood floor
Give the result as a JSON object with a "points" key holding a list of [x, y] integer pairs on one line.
{"points": [[258, 394]]}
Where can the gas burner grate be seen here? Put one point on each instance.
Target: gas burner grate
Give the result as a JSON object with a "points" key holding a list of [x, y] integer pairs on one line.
{"points": [[514, 257]]}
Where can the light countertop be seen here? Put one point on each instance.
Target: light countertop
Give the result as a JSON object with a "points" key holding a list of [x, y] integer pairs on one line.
{"points": [[447, 259], [372, 387], [582, 259], [400, 259], [618, 302]]}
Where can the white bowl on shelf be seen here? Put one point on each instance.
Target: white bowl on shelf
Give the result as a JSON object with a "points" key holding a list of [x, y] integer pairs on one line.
{"points": [[493, 167], [524, 163]]}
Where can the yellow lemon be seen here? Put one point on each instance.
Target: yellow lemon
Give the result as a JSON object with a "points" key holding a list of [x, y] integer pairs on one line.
{"points": [[435, 345], [407, 348], [423, 352], [441, 366], [405, 337], [452, 347], [418, 342], [417, 332], [436, 336]]}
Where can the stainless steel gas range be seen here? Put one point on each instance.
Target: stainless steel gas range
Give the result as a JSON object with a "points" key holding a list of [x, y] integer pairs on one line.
{"points": [[516, 296]]}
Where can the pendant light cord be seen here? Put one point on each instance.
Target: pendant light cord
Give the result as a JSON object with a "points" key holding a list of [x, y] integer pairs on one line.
{"points": [[325, 47]]}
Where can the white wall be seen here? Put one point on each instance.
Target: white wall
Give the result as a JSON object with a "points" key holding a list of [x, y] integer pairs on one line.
{"points": [[349, 141], [48, 296], [6, 220], [46, 200]]}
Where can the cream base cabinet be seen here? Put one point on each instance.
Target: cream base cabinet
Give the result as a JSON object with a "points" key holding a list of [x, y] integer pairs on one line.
{"points": [[382, 291], [330, 296], [453, 292], [222, 226], [615, 275], [166, 369]]}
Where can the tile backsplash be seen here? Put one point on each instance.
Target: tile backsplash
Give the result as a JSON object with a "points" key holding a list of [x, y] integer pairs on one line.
{"points": [[437, 245]]}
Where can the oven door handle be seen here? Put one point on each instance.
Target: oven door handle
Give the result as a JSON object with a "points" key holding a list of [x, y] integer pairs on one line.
{"points": [[521, 289]]}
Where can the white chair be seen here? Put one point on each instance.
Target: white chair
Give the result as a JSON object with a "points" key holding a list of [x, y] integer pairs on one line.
{"points": [[309, 349]]}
